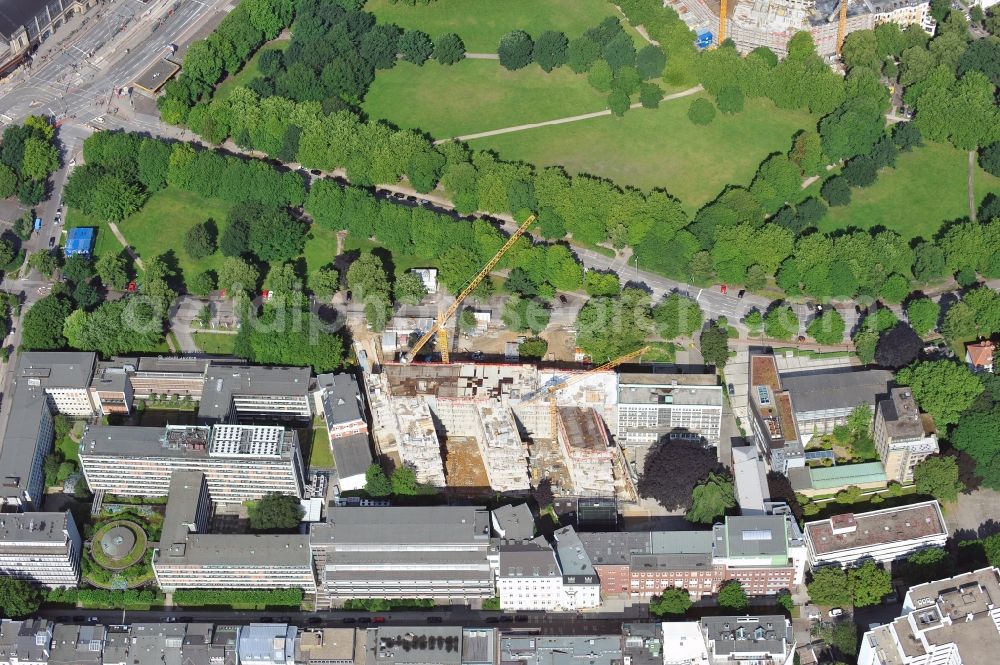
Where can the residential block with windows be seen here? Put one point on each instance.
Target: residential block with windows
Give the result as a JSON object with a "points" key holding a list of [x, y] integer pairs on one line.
{"points": [[43, 548], [240, 462], [882, 535], [651, 405], [904, 437]]}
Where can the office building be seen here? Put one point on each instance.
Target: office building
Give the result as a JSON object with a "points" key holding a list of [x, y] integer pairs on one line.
{"points": [[772, 416], [764, 553], [74, 644], [823, 399], [27, 642], [882, 535], [652, 405], [529, 577], [762, 640], [581, 586], [45, 384], [552, 649], [110, 389], [190, 558], [267, 644], [951, 621], [43, 548], [241, 393], [904, 437], [330, 646], [169, 377], [438, 552], [240, 462]]}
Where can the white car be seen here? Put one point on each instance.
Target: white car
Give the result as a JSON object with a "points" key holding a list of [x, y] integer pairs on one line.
{"points": [[836, 612], [815, 616]]}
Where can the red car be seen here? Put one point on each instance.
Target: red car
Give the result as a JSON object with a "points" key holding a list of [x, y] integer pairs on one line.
{"points": [[378, 619], [724, 288]]}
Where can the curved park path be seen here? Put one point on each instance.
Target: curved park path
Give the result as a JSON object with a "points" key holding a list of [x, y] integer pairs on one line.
{"points": [[562, 121]]}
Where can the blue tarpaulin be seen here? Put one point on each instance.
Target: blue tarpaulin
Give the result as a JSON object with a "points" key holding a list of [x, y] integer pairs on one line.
{"points": [[80, 241]]}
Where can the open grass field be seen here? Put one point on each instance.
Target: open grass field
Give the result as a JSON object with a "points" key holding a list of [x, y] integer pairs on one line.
{"points": [[250, 71], [481, 23], [477, 95], [661, 148], [160, 226], [219, 344], [105, 242], [927, 187]]}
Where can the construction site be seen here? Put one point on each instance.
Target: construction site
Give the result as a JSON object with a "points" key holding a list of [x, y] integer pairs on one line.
{"points": [[488, 427], [772, 23]]}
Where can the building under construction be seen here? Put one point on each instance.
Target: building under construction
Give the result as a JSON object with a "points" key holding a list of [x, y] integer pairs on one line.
{"points": [[772, 23], [426, 412]]}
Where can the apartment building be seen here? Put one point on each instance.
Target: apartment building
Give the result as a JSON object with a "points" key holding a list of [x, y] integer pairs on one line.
{"points": [[762, 640], [240, 462], [882, 535], [652, 405], [338, 399], [823, 399], [74, 644], [581, 585], [267, 644], [45, 383], [241, 393], [904, 437], [188, 558], [27, 642], [439, 552], [529, 577], [43, 548], [954, 621], [772, 416]]}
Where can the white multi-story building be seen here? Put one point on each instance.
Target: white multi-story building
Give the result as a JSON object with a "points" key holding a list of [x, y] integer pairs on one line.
{"points": [[529, 577], [43, 548], [188, 558], [882, 535], [904, 437], [581, 585], [650, 406], [235, 393], [440, 552], [45, 383], [240, 462], [955, 621]]}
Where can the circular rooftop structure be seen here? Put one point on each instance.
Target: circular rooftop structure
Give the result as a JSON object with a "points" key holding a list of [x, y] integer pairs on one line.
{"points": [[118, 541]]}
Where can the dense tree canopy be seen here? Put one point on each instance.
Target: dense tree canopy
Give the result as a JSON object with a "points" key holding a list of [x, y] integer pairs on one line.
{"points": [[276, 512], [942, 388]]}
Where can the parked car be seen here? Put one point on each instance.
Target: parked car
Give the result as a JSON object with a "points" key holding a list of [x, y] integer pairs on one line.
{"points": [[52, 242], [742, 293], [724, 288], [315, 172], [815, 616], [506, 618], [364, 620], [349, 620], [378, 619], [732, 390], [836, 612], [520, 618], [563, 299], [435, 620]]}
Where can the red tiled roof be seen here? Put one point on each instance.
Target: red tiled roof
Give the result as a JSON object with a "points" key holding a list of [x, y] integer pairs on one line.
{"points": [[981, 353]]}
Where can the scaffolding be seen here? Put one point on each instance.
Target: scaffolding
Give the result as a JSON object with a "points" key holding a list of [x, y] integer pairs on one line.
{"points": [[586, 450], [417, 442]]}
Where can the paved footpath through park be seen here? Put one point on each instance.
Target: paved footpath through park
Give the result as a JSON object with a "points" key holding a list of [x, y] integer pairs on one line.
{"points": [[562, 121]]}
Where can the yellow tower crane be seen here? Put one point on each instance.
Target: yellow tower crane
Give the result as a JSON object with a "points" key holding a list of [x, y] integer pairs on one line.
{"points": [[723, 11], [841, 26], [439, 328], [576, 378]]}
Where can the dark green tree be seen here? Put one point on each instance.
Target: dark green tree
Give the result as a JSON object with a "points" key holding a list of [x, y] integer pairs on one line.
{"points": [[650, 95], [730, 99], [942, 388], [836, 191], [276, 512], [516, 49], [827, 328], [733, 597], [711, 499], [581, 53], [938, 476], [199, 241], [449, 49], [671, 602], [416, 46], [18, 598], [43, 324], [550, 50], [830, 587], [404, 481], [701, 111], [650, 61], [923, 313], [618, 102], [376, 482]]}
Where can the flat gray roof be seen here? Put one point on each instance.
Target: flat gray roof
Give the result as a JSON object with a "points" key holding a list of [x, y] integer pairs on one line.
{"points": [[562, 650], [179, 365], [227, 549], [145, 441], [223, 382], [528, 560], [352, 454], [610, 548], [183, 498], [378, 525], [841, 388], [572, 556], [441, 645], [753, 536], [744, 635], [515, 521], [33, 527], [341, 398], [63, 369]]}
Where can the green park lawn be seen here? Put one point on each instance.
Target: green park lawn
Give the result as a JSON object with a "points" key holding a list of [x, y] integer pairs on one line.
{"points": [[250, 71], [481, 23], [160, 226], [104, 243], [927, 187], [320, 455], [660, 148], [477, 95], [218, 344]]}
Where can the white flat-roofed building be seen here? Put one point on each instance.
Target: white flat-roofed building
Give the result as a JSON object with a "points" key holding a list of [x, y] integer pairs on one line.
{"points": [[267, 644], [954, 621], [43, 548], [439, 552], [651, 406], [904, 437], [240, 462], [528, 577], [883, 535]]}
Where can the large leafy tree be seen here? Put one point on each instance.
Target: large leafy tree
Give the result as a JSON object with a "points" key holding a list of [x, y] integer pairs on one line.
{"points": [[516, 49], [830, 587], [376, 482], [18, 598], [115, 328], [711, 499], [43, 324], [449, 49], [938, 476], [275, 235], [276, 512], [550, 50], [676, 316], [976, 435], [827, 328], [416, 46], [369, 283], [733, 597], [238, 275], [714, 345], [672, 471], [923, 313], [781, 323], [671, 602], [869, 584], [609, 328], [942, 388]]}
